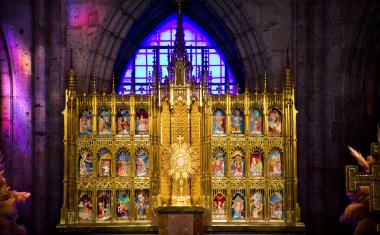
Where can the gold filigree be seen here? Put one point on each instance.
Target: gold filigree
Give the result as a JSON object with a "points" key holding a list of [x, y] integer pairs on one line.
{"points": [[276, 184], [84, 185], [238, 184], [257, 184], [218, 105], [121, 185], [142, 184], [275, 144], [218, 183], [237, 105], [103, 185], [256, 148]]}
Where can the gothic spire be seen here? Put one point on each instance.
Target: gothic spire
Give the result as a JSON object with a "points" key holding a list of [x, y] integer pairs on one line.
{"points": [[179, 44], [113, 83], [265, 82], [72, 80]]}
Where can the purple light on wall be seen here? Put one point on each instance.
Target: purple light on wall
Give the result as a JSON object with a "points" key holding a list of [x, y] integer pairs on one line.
{"points": [[20, 86], [78, 14]]}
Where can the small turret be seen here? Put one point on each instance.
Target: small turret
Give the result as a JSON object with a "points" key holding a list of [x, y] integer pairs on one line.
{"points": [[265, 82], [94, 84], [288, 85], [72, 83]]}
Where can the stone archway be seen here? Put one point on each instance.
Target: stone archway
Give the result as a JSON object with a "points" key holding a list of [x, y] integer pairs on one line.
{"points": [[6, 104], [128, 22], [362, 86]]}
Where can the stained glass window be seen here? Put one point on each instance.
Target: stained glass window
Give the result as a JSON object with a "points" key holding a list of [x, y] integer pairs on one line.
{"points": [[158, 46]]}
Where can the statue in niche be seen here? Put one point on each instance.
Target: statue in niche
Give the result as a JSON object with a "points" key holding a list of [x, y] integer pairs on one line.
{"points": [[219, 209], [237, 207], [85, 207], [141, 206], [179, 166], [274, 122], [123, 122], [123, 206], [219, 122], [256, 122], [237, 122], [257, 205], [275, 207]]}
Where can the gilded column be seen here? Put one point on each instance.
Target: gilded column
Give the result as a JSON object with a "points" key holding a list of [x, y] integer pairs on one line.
{"points": [[155, 187], [70, 119]]}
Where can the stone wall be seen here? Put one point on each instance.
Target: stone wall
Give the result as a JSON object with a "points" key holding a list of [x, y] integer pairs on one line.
{"points": [[333, 55]]}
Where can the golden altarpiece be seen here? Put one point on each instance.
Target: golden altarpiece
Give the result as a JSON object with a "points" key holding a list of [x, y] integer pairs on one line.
{"points": [[179, 145]]}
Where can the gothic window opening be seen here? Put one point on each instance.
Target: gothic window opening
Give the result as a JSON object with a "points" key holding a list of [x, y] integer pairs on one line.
{"points": [[158, 46]]}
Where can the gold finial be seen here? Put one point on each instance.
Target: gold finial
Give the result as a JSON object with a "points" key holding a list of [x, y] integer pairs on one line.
{"points": [[265, 81], [104, 89], [71, 59], [94, 84], [246, 85], [179, 2], [179, 43], [113, 83], [256, 88], [289, 83], [238, 88], [72, 83]]}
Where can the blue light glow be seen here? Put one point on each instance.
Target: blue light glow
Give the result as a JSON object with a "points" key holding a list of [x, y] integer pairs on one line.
{"points": [[164, 35]]}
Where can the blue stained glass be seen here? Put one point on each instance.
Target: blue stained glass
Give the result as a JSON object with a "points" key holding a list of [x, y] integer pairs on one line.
{"points": [[214, 59], [140, 80], [128, 70], [215, 89], [215, 71], [164, 73], [189, 36], [141, 71], [127, 80], [164, 59], [140, 59], [217, 80], [141, 89], [173, 36], [150, 59], [164, 35]]}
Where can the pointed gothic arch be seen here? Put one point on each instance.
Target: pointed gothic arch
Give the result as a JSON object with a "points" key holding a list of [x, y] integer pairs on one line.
{"points": [[126, 25], [6, 102]]}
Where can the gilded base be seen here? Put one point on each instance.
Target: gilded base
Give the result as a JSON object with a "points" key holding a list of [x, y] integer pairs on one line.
{"points": [[181, 201]]}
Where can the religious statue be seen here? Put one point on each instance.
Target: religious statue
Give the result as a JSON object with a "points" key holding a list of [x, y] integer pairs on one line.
{"points": [[358, 213], [179, 167]]}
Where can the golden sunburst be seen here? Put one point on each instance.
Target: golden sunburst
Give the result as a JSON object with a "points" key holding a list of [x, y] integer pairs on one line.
{"points": [[178, 160]]}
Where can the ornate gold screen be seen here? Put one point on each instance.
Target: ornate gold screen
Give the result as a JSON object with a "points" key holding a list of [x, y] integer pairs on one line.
{"points": [[233, 154], [243, 151]]}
